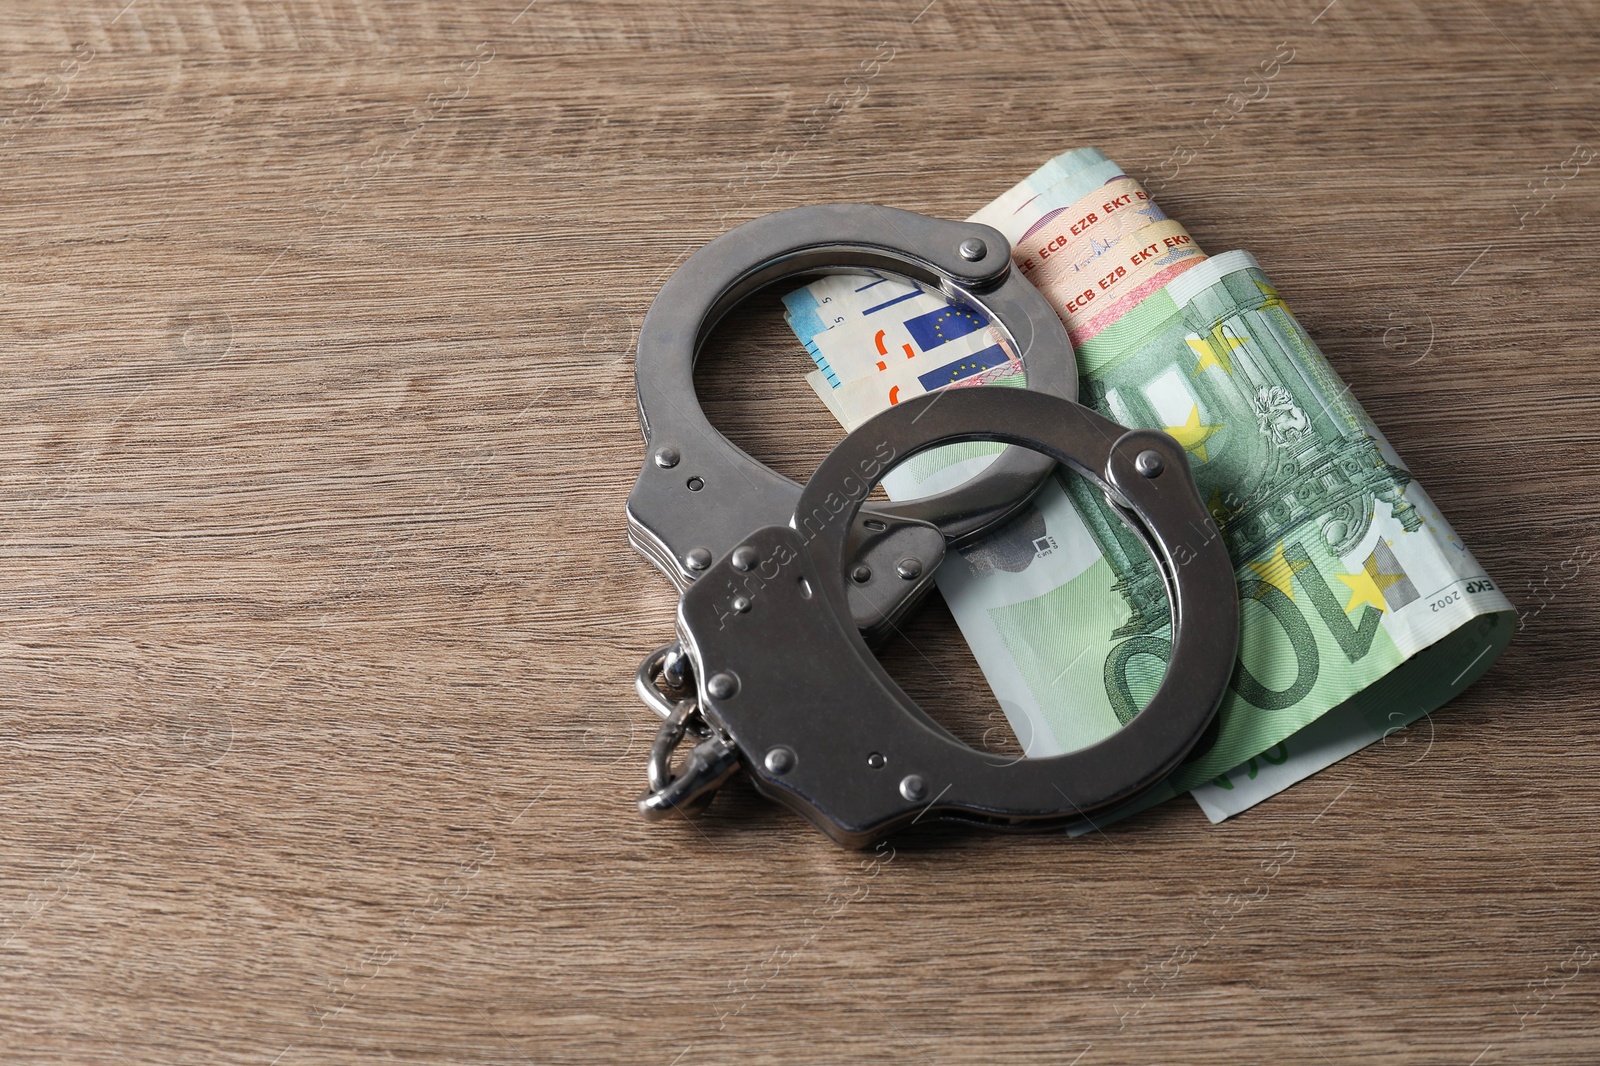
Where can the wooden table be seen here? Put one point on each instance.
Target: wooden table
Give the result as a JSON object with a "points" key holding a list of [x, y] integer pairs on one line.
{"points": [[319, 621]]}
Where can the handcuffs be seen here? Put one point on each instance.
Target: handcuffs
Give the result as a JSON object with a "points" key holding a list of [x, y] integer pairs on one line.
{"points": [[772, 670]]}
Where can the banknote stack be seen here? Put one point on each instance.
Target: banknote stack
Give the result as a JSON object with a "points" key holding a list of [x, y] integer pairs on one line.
{"points": [[1361, 610]]}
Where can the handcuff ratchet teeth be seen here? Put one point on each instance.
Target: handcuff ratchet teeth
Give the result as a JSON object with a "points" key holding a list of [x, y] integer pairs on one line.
{"points": [[698, 494], [772, 671]]}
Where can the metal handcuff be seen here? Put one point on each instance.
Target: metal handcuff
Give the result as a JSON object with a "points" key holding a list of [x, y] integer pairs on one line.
{"points": [[772, 670]]}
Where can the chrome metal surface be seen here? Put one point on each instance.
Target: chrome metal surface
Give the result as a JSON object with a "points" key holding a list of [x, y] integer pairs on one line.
{"points": [[696, 509], [808, 680]]}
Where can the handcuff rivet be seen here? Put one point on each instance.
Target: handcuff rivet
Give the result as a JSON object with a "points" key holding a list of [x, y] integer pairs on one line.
{"points": [[666, 458], [861, 574], [913, 787], [722, 686], [908, 568], [675, 668], [1149, 463], [972, 249], [696, 484], [780, 760], [740, 604], [745, 558], [698, 559], [876, 760]]}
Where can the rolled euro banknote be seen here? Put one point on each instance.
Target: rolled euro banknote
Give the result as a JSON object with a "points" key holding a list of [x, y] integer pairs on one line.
{"points": [[1360, 607]]}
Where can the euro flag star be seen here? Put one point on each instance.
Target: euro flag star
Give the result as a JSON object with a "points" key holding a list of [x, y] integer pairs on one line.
{"points": [[1192, 434], [1216, 351], [1367, 587], [1279, 571], [1273, 299]]}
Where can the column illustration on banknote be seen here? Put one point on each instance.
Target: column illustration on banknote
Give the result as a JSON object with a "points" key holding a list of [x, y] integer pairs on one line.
{"points": [[1361, 609]]}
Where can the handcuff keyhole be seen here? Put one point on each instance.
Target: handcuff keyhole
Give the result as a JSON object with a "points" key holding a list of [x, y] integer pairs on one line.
{"points": [[696, 484]]}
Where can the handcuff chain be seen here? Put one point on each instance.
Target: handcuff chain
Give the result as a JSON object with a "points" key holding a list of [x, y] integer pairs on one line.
{"points": [[714, 757]]}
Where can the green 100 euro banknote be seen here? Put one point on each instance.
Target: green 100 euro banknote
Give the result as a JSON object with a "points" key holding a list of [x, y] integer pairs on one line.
{"points": [[1360, 607]]}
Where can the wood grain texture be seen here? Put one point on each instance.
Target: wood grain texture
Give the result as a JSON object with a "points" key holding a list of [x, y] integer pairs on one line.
{"points": [[319, 620]]}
